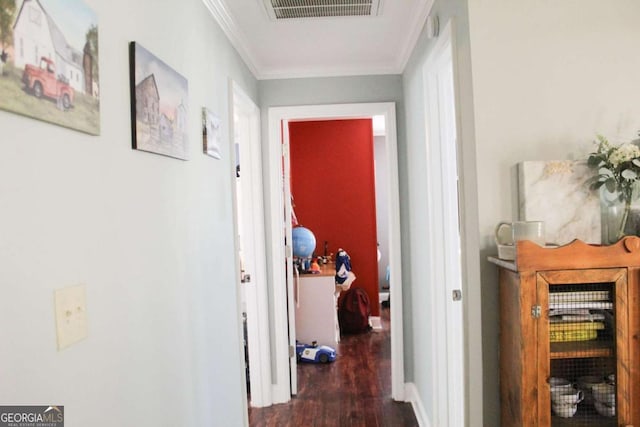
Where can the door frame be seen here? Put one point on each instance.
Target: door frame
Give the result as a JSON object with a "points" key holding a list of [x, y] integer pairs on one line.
{"points": [[277, 119], [256, 290], [446, 260]]}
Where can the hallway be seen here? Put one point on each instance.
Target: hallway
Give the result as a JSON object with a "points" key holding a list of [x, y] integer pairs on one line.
{"points": [[354, 391]]}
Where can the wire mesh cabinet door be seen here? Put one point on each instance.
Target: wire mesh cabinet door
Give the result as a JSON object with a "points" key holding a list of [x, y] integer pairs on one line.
{"points": [[583, 347]]}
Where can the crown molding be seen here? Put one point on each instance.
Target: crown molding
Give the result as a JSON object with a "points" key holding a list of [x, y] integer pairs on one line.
{"points": [[416, 30], [319, 72], [233, 33], [238, 40]]}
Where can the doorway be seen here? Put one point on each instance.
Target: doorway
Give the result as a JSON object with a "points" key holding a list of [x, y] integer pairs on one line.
{"points": [[443, 234], [284, 378], [250, 243]]}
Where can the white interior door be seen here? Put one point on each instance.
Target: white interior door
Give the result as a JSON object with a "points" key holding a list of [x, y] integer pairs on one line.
{"points": [[446, 279], [251, 242], [291, 292]]}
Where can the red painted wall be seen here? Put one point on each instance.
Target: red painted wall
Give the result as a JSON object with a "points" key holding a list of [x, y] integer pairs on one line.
{"points": [[333, 188]]}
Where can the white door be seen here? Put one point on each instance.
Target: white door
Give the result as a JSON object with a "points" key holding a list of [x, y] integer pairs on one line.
{"points": [[251, 242], [291, 282], [446, 279]]}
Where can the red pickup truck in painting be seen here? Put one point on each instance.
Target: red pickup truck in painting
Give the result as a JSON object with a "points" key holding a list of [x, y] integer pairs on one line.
{"points": [[42, 81]]}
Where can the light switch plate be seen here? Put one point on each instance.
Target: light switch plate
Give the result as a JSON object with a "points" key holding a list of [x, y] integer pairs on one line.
{"points": [[71, 315]]}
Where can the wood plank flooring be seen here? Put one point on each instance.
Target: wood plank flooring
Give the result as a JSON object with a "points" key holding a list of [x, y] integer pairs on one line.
{"points": [[353, 391]]}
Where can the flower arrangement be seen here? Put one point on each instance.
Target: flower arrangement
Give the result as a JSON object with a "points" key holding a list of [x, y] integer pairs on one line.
{"points": [[618, 170]]}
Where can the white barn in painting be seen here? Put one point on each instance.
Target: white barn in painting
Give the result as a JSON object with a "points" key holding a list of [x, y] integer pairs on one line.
{"points": [[35, 35]]}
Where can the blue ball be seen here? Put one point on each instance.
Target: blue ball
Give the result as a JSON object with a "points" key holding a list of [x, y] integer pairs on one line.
{"points": [[304, 242]]}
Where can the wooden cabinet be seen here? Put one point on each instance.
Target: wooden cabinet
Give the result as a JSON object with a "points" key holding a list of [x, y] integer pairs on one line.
{"points": [[570, 313]]}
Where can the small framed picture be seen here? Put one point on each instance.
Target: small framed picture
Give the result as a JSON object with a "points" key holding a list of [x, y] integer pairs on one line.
{"points": [[211, 133], [159, 99]]}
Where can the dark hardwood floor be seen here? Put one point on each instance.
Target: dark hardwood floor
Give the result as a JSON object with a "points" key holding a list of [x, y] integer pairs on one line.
{"points": [[353, 391]]}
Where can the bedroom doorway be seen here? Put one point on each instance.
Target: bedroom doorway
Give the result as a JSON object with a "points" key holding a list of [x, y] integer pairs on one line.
{"points": [[284, 376]]}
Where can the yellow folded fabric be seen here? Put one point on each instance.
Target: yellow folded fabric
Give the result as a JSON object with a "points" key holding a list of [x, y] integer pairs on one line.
{"points": [[580, 335], [576, 326]]}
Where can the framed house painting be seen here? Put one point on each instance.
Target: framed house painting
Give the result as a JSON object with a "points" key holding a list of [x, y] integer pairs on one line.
{"points": [[159, 99], [49, 62], [211, 133]]}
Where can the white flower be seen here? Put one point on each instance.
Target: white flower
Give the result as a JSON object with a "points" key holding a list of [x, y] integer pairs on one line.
{"points": [[624, 153], [603, 144]]}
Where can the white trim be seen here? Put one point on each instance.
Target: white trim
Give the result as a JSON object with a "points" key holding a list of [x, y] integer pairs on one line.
{"points": [[419, 20], [278, 115], [292, 295], [273, 73], [236, 247], [255, 291], [281, 386], [413, 396], [233, 32]]}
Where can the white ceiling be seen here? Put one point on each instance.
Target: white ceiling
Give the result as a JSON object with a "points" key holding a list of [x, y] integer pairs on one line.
{"points": [[319, 47]]}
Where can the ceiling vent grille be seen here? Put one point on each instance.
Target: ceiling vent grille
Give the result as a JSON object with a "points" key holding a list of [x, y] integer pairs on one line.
{"points": [[291, 9]]}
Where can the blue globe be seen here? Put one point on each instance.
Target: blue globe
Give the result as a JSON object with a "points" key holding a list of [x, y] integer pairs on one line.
{"points": [[304, 242]]}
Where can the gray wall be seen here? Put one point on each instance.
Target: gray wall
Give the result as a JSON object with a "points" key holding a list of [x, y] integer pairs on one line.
{"points": [[150, 236]]}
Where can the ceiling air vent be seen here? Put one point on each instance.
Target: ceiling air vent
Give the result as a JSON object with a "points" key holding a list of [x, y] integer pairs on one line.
{"points": [[288, 9]]}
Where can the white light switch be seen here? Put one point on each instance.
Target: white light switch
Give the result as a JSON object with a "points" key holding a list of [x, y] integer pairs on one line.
{"points": [[71, 315]]}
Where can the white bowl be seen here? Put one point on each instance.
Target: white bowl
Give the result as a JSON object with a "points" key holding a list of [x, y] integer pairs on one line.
{"points": [[564, 411], [605, 410], [557, 384], [560, 382], [604, 393], [567, 397]]}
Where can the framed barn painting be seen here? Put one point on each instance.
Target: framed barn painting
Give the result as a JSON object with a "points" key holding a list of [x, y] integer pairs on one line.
{"points": [[159, 99], [49, 62], [211, 133]]}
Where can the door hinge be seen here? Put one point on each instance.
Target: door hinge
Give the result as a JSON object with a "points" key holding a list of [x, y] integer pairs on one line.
{"points": [[292, 352], [288, 251], [457, 295], [536, 311]]}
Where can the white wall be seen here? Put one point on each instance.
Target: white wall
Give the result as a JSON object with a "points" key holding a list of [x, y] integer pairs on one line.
{"points": [[547, 76], [150, 236], [415, 200]]}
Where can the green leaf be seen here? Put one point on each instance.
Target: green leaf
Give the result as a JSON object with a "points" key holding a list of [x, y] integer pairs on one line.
{"points": [[629, 174], [611, 185], [594, 161]]}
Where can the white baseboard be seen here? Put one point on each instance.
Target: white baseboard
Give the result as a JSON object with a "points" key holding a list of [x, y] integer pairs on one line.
{"points": [[411, 395]]}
